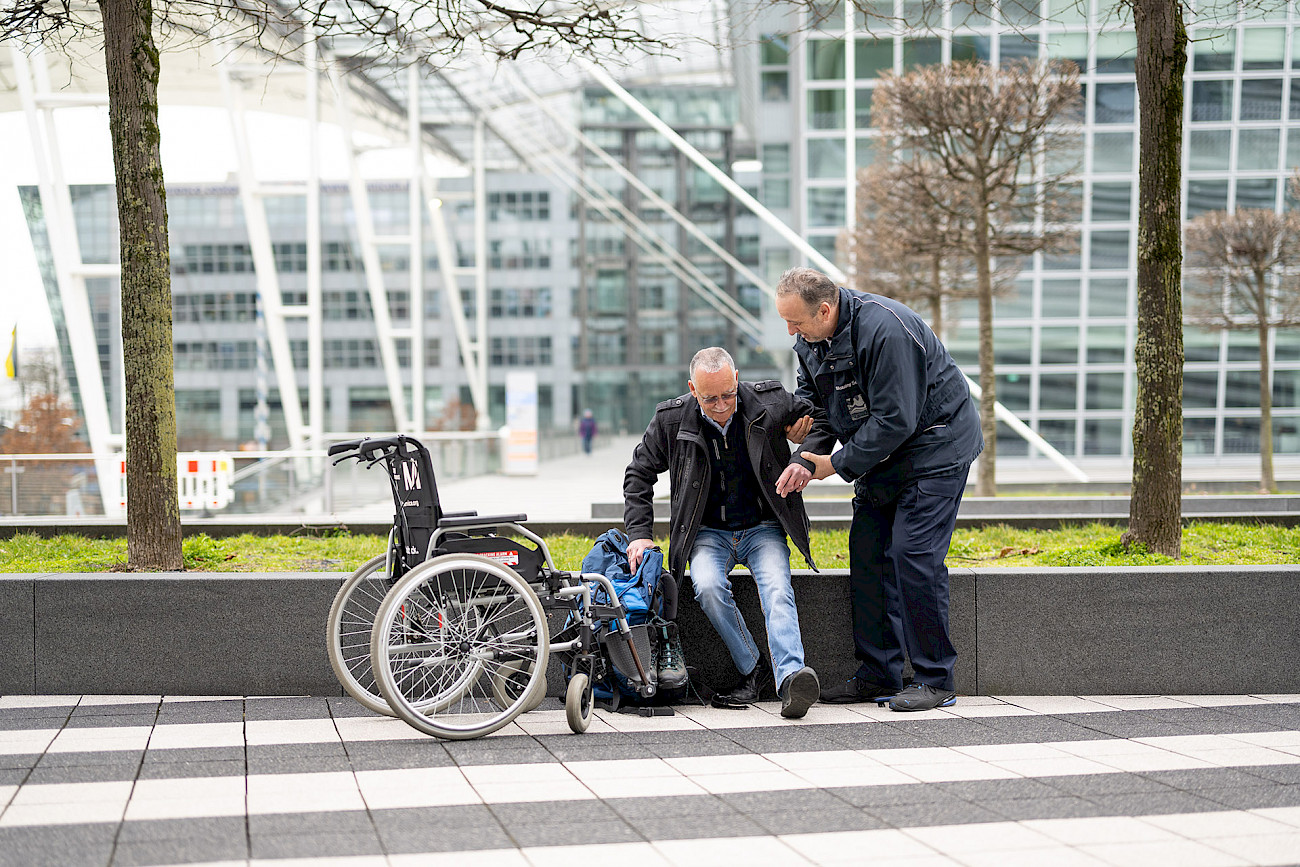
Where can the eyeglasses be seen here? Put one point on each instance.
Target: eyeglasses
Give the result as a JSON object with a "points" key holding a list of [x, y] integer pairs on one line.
{"points": [[725, 397]]}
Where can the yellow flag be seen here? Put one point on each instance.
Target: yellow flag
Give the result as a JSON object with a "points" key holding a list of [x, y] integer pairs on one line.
{"points": [[11, 363]]}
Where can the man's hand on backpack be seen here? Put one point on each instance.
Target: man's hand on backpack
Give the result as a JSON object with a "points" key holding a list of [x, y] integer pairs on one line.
{"points": [[635, 549]]}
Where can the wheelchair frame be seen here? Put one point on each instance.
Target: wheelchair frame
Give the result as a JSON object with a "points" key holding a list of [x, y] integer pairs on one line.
{"points": [[454, 642]]}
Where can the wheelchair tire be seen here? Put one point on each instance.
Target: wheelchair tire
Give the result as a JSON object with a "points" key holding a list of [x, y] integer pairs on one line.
{"points": [[447, 634], [347, 632], [579, 702]]}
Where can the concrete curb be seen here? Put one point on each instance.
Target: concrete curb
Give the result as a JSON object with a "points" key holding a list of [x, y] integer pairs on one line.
{"points": [[1160, 629]]}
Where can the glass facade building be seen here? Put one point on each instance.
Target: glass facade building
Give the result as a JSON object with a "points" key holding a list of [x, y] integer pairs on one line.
{"points": [[1063, 339]]}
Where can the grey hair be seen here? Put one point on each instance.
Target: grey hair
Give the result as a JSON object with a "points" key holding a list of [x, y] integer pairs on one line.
{"points": [[809, 284], [711, 359]]}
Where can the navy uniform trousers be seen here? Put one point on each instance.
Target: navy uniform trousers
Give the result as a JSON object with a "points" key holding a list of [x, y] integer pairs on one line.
{"points": [[899, 583]]}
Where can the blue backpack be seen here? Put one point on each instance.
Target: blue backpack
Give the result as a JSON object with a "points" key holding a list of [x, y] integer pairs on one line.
{"points": [[639, 593]]}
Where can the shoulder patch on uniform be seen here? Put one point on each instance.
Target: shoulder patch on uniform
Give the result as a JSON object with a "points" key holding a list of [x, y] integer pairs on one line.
{"points": [[767, 385]]}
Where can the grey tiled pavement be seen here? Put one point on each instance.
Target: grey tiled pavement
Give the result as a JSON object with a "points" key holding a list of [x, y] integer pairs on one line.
{"points": [[1150, 780]]}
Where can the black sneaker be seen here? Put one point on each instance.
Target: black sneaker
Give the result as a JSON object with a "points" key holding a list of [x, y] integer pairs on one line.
{"points": [[798, 693], [855, 689], [922, 696]]}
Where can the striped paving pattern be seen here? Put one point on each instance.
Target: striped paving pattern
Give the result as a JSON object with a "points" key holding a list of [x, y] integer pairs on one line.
{"points": [[1150, 780]]}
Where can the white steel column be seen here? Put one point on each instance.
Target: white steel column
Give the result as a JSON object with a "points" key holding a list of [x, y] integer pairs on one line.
{"points": [[416, 290], [470, 359], [483, 416], [370, 256], [850, 129], [268, 280], [69, 271], [315, 318]]}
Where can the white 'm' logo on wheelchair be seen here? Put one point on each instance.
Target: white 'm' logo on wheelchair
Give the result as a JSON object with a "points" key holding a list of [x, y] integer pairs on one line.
{"points": [[411, 475]]}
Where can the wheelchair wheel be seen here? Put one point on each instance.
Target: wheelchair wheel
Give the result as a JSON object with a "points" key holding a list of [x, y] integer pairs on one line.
{"points": [[448, 635], [347, 632], [578, 702]]}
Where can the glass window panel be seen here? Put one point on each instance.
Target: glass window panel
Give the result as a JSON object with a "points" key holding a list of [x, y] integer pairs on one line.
{"points": [[1022, 13], [1060, 433], [776, 192], [826, 207], [1106, 344], [1115, 103], [1269, 10], [1111, 201], [1018, 303], [1200, 389], [1013, 391], [1107, 297], [1261, 99], [1286, 344], [970, 48], [872, 57], [866, 152], [921, 52], [1109, 250], [775, 86], [971, 13], [1241, 388], [824, 244], [1058, 345], [774, 50], [1018, 46], [1286, 435], [1256, 193], [1067, 11], [1257, 149], [1068, 261], [1104, 391], [1112, 152], [1198, 436], [826, 109], [826, 158], [1262, 47], [1069, 46], [1286, 389], [1012, 345], [964, 345], [1010, 443], [1205, 196], [1116, 51], [1214, 51], [1241, 436], [1103, 436], [825, 59], [1061, 298], [1200, 345], [1211, 100], [1295, 98], [1243, 346], [776, 158], [1058, 391], [1208, 149], [862, 107]]}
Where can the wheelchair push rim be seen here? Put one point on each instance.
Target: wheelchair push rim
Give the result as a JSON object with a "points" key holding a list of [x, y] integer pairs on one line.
{"points": [[448, 637]]}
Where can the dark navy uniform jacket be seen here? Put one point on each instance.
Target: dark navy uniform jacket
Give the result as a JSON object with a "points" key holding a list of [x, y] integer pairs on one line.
{"points": [[892, 395]]}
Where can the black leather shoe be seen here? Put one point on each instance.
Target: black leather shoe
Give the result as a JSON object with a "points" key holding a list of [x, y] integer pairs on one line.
{"points": [[922, 696], [748, 692], [855, 689], [799, 692]]}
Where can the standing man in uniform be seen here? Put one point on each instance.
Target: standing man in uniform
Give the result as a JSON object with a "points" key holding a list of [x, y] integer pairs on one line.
{"points": [[900, 406], [724, 447]]}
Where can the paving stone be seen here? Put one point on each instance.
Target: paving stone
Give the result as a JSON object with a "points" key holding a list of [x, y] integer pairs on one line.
{"points": [[683, 805], [951, 812], [793, 800], [1193, 780], [573, 834], [1106, 784], [11, 724], [1277, 773], [560, 812], [844, 818], [416, 819], [581, 752], [694, 827], [297, 764], [188, 850], [342, 822], [181, 770], [446, 839], [313, 845], [286, 708], [57, 846], [195, 754], [126, 709], [106, 757], [681, 751], [279, 751], [97, 721], [173, 829], [947, 733], [982, 790], [1254, 797], [82, 774], [1046, 808], [1154, 803], [872, 796]]}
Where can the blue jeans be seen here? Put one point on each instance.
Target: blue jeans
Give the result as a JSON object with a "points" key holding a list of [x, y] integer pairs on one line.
{"points": [[763, 549]]}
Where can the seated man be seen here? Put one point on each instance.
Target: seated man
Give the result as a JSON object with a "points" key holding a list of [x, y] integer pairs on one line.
{"points": [[724, 447]]}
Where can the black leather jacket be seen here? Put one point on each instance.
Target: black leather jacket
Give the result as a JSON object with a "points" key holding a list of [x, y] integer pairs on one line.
{"points": [[891, 394], [674, 441]]}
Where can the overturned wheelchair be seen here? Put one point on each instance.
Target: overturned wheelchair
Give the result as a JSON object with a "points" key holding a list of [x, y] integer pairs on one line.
{"points": [[448, 628]]}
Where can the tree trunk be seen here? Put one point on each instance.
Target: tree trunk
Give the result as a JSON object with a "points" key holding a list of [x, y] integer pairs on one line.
{"points": [[1267, 484], [936, 296], [1155, 511], [986, 483], [152, 511]]}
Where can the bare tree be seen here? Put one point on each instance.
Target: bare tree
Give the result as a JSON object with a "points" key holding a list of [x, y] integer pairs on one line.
{"points": [[417, 30], [986, 130], [1242, 276], [1155, 506]]}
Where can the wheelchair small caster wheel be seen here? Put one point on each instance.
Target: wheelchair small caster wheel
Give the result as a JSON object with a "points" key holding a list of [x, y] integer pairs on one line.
{"points": [[579, 702]]}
